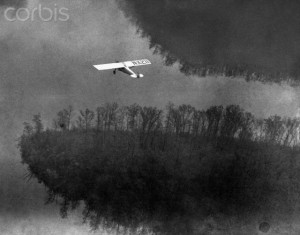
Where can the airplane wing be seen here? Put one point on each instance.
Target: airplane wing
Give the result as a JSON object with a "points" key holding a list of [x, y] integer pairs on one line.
{"points": [[109, 66]]}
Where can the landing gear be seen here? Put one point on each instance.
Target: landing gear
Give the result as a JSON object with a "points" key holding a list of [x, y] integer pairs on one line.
{"points": [[115, 71]]}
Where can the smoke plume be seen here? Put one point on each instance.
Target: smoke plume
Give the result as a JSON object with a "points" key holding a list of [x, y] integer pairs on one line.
{"points": [[258, 39]]}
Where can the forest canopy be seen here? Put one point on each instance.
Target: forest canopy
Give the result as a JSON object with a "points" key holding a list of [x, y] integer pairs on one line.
{"points": [[140, 169]]}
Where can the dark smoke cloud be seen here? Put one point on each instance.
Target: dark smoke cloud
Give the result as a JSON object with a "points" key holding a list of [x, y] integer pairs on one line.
{"points": [[258, 39]]}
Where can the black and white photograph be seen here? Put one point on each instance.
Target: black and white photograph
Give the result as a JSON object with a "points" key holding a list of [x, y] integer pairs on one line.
{"points": [[149, 117]]}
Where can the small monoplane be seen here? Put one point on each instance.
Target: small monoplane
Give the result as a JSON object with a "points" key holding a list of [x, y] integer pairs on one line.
{"points": [[124, 67]]}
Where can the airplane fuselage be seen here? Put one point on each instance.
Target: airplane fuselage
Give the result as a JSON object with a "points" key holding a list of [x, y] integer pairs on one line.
{"points": [[128, 71]]}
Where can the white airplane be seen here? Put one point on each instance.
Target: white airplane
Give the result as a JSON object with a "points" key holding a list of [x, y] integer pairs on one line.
{"points": [[124, 67]]}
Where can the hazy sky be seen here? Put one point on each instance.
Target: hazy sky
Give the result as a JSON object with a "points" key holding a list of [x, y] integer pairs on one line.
{"points": [[45, 66]]}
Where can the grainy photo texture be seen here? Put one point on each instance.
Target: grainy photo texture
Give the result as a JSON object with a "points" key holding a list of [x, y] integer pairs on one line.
{"points": [[139, 117]]}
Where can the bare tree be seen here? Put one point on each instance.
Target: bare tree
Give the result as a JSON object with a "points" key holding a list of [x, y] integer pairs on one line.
{"points": [[63, 119], [185, 113], [247, 127], [120, 118], [198, 122], [151, 119], [132, 115], [214, 116], [111, 110], [274, 129], [291, 131], [232, 121], [100, 117], [86, 117]]}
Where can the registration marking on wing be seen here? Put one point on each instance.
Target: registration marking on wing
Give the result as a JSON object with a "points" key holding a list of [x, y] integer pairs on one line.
{"points": [[140, 62]]}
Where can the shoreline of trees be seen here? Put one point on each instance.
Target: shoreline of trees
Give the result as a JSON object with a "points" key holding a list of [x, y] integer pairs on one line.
{"points": [[230, 122], [141, 166]]}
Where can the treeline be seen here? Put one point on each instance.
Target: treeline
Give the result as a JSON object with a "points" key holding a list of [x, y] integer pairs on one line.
{"points": [[151, 123], [143, 169]]}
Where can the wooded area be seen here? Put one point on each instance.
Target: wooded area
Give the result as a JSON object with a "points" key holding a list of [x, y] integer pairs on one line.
{"points": [[158, 169], [155, 126]]}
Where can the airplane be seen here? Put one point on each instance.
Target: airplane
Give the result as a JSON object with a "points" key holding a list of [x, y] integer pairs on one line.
{"points": [[124, 67]]}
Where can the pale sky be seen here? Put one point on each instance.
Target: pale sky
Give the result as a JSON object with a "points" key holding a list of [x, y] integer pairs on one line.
{"points": [[48, 65]]}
